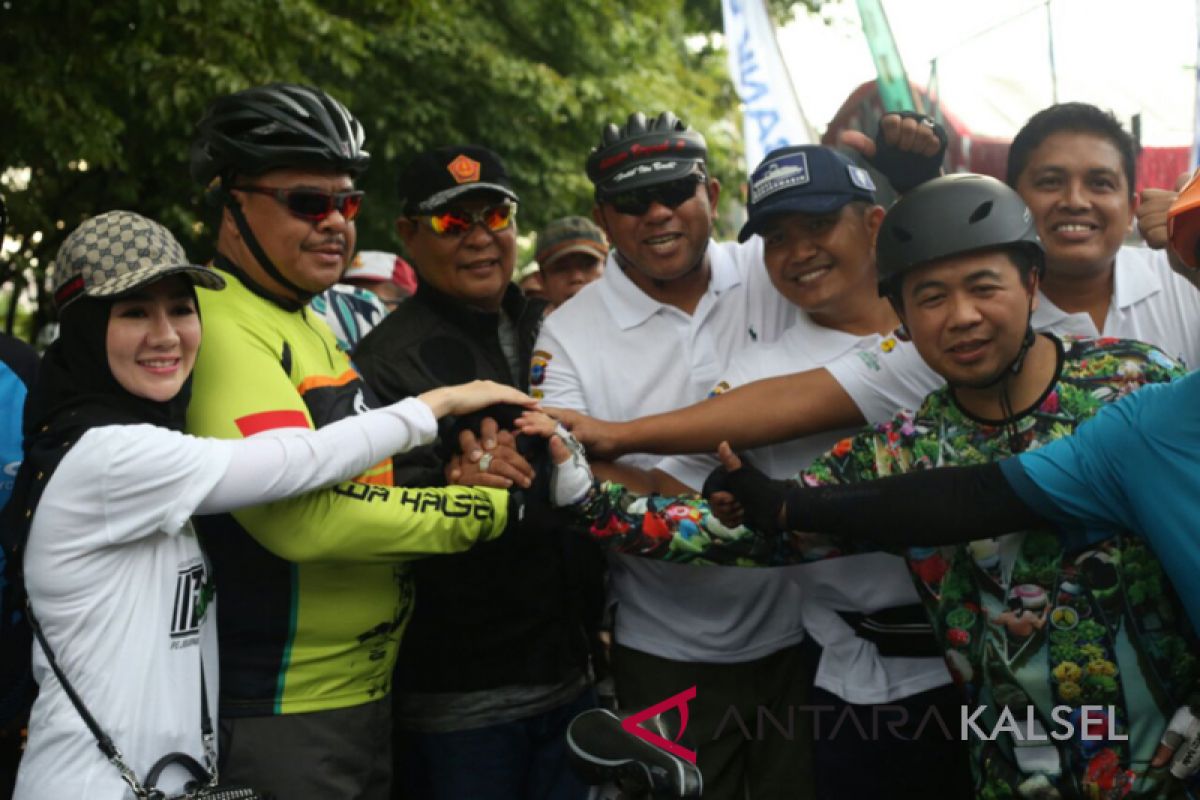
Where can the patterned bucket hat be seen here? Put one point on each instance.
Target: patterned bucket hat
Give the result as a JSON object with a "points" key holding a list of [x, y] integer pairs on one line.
{"points": [[569, 235], [119, 251]]}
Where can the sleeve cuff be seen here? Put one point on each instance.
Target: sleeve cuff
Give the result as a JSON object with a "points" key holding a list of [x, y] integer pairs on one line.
{"points": [[1025, 488], [422, 418], [1071, 531]]}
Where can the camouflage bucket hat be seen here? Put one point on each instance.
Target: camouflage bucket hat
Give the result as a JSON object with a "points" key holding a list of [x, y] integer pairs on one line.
{"points": [[119, 251]]}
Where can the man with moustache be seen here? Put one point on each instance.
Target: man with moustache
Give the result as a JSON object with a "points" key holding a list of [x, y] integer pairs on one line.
{"points": [[494, 663], [314, 592], [1075, 167], [654, 333]]}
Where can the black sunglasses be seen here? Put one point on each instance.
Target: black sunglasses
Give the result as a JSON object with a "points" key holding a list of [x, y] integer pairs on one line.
{"points": [[313, 205], [636, 202]]}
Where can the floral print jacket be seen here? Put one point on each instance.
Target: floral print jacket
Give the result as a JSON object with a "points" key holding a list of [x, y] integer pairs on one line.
{"points": [[1033, 627]]}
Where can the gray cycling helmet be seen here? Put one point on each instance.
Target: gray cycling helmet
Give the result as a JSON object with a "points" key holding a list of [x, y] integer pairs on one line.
{"points": [[277, 126], [949, 216], [644, 153]]}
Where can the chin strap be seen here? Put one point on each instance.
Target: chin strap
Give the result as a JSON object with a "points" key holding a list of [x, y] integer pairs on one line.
{"points": [[1026, 345], [1018, 361], [1010, 424], [302, 296]]}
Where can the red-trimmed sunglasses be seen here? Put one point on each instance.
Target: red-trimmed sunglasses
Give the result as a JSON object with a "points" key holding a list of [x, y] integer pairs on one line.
{"points": [[313, 205], [456, 222]]}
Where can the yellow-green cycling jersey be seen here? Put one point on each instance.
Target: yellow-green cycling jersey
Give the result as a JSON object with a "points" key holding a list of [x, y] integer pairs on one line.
{"points": [[313, 594]]}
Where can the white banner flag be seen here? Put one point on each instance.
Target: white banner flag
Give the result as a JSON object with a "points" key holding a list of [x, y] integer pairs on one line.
{"points": [[771, 113]]}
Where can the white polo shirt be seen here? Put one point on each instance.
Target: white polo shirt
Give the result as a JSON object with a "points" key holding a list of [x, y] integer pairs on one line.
{"points": [[615, 353], [850, 667], [1151, 303]]}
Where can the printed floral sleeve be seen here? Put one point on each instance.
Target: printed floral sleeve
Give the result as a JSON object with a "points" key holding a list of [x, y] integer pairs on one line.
{"points": [[886, 449], [684, 529], [678, 529], [1120, 365]]}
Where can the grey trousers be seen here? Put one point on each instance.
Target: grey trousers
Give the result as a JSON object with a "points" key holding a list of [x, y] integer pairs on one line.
{"points": [[344, 754]]}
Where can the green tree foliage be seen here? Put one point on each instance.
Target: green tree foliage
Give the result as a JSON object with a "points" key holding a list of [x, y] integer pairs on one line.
{"points": [[119, 86], [705, 15]]}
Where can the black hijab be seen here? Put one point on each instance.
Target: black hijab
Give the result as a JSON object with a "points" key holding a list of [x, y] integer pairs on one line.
{"points": [[76, 391]]}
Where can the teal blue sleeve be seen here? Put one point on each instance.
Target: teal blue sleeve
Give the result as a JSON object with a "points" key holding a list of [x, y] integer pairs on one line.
{"points": [[1102, 478], [1135, 466]]}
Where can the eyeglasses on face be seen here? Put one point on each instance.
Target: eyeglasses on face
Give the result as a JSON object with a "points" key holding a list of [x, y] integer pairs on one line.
{"points": [[456, 221], [313, 205], [636, 202]]}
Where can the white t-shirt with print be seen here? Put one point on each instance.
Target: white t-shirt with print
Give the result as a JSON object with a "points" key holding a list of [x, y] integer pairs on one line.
{"points": [[118, 582], [1151, 303], [616, 353], [850, 666]]}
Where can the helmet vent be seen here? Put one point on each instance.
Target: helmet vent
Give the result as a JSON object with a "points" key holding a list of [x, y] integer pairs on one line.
{"points": [[981, 212], [902, 235]]}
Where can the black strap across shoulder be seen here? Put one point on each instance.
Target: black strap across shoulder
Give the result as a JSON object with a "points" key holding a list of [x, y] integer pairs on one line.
{"points": [[144, 789], [102, 739]]}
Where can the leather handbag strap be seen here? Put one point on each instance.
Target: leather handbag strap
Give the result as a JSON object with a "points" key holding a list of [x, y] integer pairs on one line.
{"points": [[140, 789], [182, 759], [102, 739]]}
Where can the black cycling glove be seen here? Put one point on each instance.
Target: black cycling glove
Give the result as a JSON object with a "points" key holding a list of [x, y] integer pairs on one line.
{"points": [[761, 497], [906, 170]]}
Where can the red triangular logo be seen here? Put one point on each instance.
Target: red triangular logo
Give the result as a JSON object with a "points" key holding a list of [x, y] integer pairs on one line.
{"points": [[632, 724]]}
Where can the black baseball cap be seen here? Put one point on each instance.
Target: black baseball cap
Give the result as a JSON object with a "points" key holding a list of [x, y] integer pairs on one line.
{"points": [[435, 178], [809, 179]]}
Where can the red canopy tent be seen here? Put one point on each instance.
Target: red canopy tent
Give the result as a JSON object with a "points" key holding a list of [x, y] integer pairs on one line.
{"points": [[971, 152]]}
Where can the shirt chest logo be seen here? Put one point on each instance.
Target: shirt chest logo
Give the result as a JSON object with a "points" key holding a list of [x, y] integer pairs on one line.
{"points": [[189, 606]]}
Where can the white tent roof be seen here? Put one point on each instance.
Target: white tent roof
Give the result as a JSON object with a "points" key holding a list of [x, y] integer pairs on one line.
{"points": [[993, 59]]}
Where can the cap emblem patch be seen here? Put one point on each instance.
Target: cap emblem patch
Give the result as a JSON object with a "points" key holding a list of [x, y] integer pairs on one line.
{"points": [[787, 172], [464, 169], [861, 178]]}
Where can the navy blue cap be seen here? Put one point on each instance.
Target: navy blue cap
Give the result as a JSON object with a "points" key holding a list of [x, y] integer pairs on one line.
{"points": [[806, 178]]}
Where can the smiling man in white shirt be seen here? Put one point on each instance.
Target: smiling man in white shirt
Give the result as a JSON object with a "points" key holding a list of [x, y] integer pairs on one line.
{"points": [[1074, 166], [655, 333]]}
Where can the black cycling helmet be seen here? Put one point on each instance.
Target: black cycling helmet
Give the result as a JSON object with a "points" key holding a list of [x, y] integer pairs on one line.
{"points": [[949, 216], [263, 128], [276, 126], [644, 153]]}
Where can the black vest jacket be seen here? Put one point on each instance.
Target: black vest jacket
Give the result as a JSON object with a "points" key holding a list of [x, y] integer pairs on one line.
{"points": [[508, 612]]}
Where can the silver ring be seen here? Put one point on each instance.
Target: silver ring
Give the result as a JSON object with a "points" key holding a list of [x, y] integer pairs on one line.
{"points": [[485, 461]]}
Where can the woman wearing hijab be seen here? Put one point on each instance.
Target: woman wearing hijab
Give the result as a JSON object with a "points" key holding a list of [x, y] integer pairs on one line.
{"points": [[115, 575]]}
